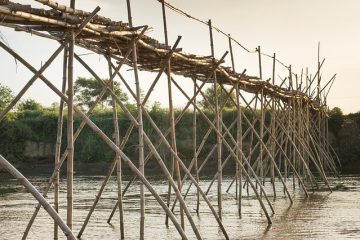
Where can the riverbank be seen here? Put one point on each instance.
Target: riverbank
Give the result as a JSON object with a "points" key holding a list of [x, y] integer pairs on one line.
{"points": [[27, 140]]}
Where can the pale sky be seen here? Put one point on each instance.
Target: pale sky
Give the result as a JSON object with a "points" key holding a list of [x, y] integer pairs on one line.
{"points": [[291, 29]]}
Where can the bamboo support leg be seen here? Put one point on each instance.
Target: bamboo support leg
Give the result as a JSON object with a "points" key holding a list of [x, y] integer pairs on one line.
{"points": [[58, 144], [54, 215], [117, 157], [70, 134]]}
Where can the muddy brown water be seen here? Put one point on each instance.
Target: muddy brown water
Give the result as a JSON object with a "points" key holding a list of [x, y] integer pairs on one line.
{"points": [[321, 216]]}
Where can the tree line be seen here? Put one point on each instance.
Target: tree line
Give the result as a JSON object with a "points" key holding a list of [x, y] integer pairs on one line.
{"points": [[32, 122]]}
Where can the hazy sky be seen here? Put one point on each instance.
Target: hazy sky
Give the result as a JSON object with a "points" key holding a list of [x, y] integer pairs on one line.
{"points": [[291, 29]]}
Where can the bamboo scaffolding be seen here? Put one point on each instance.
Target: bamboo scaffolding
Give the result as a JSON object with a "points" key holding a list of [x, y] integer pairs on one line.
{"points": [[160, 161], [77, 133], [123, 157], [294, 141], [178, 159], [128, 132], [232, 152], [198, 64]]}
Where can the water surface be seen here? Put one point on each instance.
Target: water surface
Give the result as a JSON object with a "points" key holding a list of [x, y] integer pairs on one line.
{"points": [[323, 215]]}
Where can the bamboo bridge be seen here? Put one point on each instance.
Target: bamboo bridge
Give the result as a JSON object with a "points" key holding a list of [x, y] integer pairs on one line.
{"points": [[293, 144]]}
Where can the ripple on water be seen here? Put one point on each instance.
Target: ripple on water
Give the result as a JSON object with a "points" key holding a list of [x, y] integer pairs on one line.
{"points": [[321, 216]]}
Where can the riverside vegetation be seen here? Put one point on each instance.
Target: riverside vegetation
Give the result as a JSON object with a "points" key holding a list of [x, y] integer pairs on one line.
{"points": [[32, 124]]}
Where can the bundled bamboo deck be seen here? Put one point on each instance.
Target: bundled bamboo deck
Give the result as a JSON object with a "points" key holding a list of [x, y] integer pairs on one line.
{"points": [[103, 33], [294, 144]]}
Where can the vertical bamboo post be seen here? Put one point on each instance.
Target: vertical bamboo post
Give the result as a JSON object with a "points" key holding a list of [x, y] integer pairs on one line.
{"points": [[260, 67], [240, 144], [236, 164], [319, 101], [287, 147], [70, 128], [273, 129], [172, 122], [218, 126], [298, 122], [168, 199], [292, 124], [251, 140], [318, 72], [238, 180], [58, 143], [195, 149], [117, 157], [261, 122], [307, 122], [140, 129], [231, 54]]}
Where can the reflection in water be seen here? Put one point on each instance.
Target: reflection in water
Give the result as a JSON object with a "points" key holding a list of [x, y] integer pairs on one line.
{"points": [[321, 216]]}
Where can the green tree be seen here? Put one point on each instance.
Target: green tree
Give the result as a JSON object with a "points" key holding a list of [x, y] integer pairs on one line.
{"points": [[336, 120], [87, 90], [31, 105], [6, 95], [223, 96]]}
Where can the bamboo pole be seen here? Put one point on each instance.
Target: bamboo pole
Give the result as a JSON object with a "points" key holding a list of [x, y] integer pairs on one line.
{"points": [[273, 127], [240, 144], [195, 151], [238, 191], [70, 129], [170, 120], [51, 211], [261, 138], [70, 133], [117, 157], [140, 129], [58, 144], [172, 123], [218, 126], [261, 132]]}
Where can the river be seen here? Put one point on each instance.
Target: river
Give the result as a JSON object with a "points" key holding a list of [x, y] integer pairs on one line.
{"points": [[322, 216]]}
